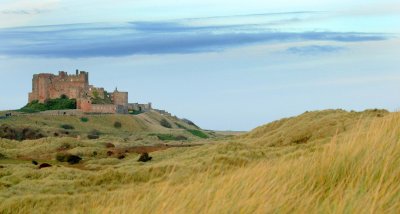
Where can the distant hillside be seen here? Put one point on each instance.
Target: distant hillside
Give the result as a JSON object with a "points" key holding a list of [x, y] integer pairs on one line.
{"points": [[143, 128], [310, 127]]}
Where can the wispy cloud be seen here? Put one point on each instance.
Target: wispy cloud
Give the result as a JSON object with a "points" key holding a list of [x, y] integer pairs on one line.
{"points": [[94, 40], [23, 12], [314, 49]]}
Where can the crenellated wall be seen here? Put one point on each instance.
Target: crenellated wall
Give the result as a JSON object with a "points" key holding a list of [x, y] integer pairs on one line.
{"points": [[50, 86], [90, 99]]}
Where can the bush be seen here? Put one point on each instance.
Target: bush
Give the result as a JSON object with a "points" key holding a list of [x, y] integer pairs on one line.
{"points": [[145, 157], [2, 157], [94, 134], [71, 159], [109, 145], [165, 123], [67, 126], [93, 137], [117, 125], [51, 104], [134, 112], [84, 119], [198, 133]]}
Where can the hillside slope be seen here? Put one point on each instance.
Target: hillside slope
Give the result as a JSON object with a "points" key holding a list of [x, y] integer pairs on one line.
{"points": [[348, 170], [125, 127], [311, 127]]}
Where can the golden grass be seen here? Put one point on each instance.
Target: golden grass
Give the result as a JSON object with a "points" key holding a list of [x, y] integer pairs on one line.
{"points": [[355, 173]]}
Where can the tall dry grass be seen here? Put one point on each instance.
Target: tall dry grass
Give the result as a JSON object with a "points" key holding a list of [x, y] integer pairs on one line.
{"points": [[358, 173]]}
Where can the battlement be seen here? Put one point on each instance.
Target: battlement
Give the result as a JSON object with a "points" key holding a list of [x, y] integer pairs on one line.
{"points": [[89, 98]]}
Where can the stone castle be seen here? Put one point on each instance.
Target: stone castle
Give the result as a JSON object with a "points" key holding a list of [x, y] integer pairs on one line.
{"points": [[89, 99]]}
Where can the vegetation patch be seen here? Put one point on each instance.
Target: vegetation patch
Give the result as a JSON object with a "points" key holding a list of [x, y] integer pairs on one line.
{"points": [[198, 133], [117, 125], [135, 112], [71, 159], [67, 126], [84, 119], [180, 126], [97, 99], [169, 137], [145, 157], [165, 123], [20, 134], [2, 157], [94, 134], [109, 145], [51, 104]]}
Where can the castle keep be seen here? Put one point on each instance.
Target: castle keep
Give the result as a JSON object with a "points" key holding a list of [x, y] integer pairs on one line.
{"points": [[89, 99]]}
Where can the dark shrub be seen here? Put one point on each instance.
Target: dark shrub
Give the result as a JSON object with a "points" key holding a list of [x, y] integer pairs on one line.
{"points": [[35, 162], [92, 137], [109, 145], [19, 134], [71, 159], [84, 119], [117, 125], [94, 153], [110, 153], [67, 126], [2, 157], [145, 157], [165, 123], [44, 165], [94, 134], [121, 157]]}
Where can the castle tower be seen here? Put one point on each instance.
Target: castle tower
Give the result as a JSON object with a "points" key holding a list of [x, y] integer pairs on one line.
{"points": [[120, 98], [50, 86]]}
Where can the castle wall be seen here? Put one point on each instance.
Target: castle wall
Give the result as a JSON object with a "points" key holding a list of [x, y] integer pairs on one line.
{"points": [[50, 86], [104, 108], [139, 107], [84, 104]]}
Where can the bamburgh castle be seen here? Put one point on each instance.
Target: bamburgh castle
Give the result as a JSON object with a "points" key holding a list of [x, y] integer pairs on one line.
{"points": [[89, 99]]}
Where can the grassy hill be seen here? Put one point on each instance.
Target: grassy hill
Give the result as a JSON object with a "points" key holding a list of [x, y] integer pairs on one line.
{"points": [[139, 129], [348, 163]]}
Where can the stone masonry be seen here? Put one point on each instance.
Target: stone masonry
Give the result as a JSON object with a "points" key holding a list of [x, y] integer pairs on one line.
{"points": [[89, 99]]}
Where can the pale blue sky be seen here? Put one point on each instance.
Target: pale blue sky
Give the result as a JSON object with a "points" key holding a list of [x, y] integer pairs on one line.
{"points": [[225, 66]]}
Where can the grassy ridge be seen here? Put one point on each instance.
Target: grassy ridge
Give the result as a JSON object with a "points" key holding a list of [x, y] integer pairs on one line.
{"points": [[354, 171]]}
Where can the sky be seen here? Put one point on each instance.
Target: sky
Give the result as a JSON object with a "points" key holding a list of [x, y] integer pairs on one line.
{"points": [[224, 66]]}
